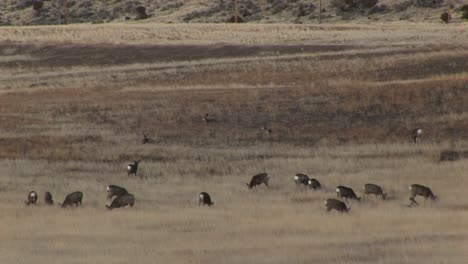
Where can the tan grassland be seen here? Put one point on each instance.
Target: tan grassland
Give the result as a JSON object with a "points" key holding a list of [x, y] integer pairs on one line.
{"points": [[341, 101]]}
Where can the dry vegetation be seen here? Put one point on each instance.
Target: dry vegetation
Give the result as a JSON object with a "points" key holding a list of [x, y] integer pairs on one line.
{"points": [[24, 12], [341, 101]]}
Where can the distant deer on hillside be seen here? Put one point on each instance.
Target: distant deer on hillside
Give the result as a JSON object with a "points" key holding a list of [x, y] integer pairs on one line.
{"points": [[416, 135], [132, 168], [267, 130], [208, 119], [147, 140]]}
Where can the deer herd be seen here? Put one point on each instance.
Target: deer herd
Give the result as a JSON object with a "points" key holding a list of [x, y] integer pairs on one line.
{"points": [[120, 197]]}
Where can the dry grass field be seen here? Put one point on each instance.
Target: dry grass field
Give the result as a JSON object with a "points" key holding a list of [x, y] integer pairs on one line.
{"points": [[341, 101]]}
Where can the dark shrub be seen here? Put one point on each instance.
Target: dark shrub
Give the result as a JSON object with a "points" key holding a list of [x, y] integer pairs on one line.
{"points": [[429, 3], [141, 12], [37, 5], [449, 155], [445, 17], [464, 10]]}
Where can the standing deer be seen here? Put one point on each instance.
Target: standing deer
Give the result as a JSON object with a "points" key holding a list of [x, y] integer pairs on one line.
{"points": [[417, 189], [48, 198], [32, 198], [114, 190], [208, 119], [132, 168], [370, 188], [267, 130], [335, 204], [347, 193], [147, 139], [72, 198], [259, 179], [416, 134], [122, 201], [204, 199]]}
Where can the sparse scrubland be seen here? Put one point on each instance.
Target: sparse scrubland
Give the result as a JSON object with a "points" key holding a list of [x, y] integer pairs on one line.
{"points": [[341, 101]]}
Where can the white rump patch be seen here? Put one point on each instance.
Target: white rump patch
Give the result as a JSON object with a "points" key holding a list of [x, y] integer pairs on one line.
{"points": [[33, 194], [310, 182], [337, 190], [129, 167], [201, 196], [326, 202], [296, 178], [419, 131], [107, 188], [410, 187]]}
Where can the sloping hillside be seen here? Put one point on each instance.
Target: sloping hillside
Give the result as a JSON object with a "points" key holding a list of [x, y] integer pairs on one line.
{"points": [[33, 12]]}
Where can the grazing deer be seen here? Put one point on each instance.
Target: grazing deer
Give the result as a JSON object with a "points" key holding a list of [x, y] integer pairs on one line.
{"points": [[259, 179], [114, 190], [335, 204], [347, 193], [416, 134], [267, 130], [48, 198], [314, 184], [301, 179], [122, 201], [132, 168], [72, 198], [32, 198], [417, 189], [208, 119], [370, 188], [147, 139], [204, 199]]}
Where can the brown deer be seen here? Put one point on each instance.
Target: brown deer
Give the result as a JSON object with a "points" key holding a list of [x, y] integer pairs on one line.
{"points": [[259, 179], [208, 119], [205, 199], [72, 198], [370, 188], [314, 184], [420, 190], [122, 201], [114, 190], [347, 193], [32, 198], [132, 168], [334, 204], [147, 140], [301, 179], [416, 134], [267, 130], [48, 198]]}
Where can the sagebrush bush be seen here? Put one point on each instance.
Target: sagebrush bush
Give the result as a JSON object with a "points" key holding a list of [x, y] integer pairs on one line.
{"points": [[445, 17]]}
